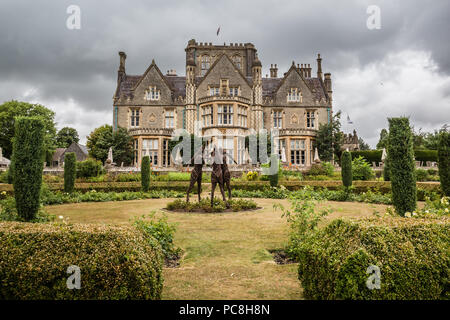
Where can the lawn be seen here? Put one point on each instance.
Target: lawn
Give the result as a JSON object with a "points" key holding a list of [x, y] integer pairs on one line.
{"points": [[225, 255]]}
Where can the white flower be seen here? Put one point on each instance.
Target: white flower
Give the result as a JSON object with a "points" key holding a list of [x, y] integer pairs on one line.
{"points": [[414, 214], [427, 211], [408, 214], [61, 217], [446, 210]]}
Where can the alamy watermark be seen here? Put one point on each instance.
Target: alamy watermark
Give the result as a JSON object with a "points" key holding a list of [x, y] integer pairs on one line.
{"points": [[374, 19], [73, 21], [374, 280], [74, 280]]}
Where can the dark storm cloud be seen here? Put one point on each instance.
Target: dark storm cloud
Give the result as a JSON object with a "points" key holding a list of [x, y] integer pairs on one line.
{"points": [[38, 52]]}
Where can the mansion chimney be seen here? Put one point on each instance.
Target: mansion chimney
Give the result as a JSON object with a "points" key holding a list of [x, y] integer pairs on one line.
{"points": [[327, 83], [273, 71], [121, 72], [319, 67]]}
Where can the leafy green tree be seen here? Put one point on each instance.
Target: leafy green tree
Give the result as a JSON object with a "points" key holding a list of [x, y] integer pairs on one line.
{"points": [[402, 166], [27, 165], [362, 144], [329, 139], [145, 173], [346, 172], [12, 109], [103, 138], [70, 172], [444, 161], [66, 136], [383, 142]]}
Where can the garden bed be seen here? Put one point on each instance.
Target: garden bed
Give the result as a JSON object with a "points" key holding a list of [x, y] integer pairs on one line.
{"points": [[204, 206]]}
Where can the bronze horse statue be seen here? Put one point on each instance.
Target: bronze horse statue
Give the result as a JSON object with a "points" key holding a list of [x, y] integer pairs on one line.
{"points": [[197, 172], [226, 174]]}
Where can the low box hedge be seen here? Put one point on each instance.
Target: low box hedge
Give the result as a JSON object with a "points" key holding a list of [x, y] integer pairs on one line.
{"points": [[412, 254], [115, 262]]}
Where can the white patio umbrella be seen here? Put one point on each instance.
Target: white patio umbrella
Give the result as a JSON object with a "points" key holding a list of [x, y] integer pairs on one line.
{"points": [[316, 156], [383, 155], [283, 155]]}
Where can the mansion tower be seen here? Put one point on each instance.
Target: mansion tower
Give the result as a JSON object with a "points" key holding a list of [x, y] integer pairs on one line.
{"points": [[225, 91]]}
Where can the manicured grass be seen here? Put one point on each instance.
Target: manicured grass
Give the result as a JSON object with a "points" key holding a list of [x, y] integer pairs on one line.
{"points": [[225, 255]]}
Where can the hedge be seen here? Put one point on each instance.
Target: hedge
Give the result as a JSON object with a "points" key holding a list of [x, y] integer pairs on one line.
{"points": [[375, 155], [426, 155], [359, 186], [401, 165], [369, 155], [412, 255], [27, 165], [444, 161], [115, 262], [70, 171]]}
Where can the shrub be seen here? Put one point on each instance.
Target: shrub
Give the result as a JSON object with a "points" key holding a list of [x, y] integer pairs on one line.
{"points": [[361, 169], [4, 176], [145, 173], [401, 157], [421, 175], [411, 255], [347, 176], [162, 231], [70, 172], [251, 176], [89, 168], [27, 164], [115, 262], [444, 161]]}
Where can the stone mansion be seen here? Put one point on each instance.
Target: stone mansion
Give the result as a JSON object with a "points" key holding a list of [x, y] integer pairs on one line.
{"points": [[225, 91]]}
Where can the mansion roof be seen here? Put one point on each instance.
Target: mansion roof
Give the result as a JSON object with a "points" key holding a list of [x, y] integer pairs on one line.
{"points": [[178, 85]]}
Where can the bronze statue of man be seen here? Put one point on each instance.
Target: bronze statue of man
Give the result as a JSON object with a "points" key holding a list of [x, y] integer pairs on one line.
{"points": [[226, 173], [197, 173], [217, 176]]}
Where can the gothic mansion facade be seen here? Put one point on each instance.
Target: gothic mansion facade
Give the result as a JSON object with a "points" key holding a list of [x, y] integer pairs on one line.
{"points": [[223, 89]]}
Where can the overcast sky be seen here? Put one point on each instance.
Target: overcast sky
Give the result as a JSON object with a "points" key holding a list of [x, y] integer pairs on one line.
{"points": [[401, 69]]}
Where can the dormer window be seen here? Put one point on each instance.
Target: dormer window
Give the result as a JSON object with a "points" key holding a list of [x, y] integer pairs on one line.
{"points": [[152, 94], [294, 95], [213, 91], [234, 91], [206, 62]]}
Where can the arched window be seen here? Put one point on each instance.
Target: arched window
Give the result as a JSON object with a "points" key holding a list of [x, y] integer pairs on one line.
{"points": [[206, 63]]}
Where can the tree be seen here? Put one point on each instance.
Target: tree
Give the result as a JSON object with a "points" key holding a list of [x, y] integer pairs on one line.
{"points": [[362, 144], [402, 167], [346, 171], [70, 172], [145, 173], [329, 139], [66, 136], [444, 161], [12, 109], [27, 165], [383, 142], [103, 138]]}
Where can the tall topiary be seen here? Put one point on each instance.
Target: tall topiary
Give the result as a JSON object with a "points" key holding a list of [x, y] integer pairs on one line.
{"points": [[28, 164], [444, 161], [70, 172], [402, 167], [347, 176], [145, 173]]}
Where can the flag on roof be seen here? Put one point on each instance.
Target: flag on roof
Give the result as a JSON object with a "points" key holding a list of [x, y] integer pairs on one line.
{"points": [[348, 120]]}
